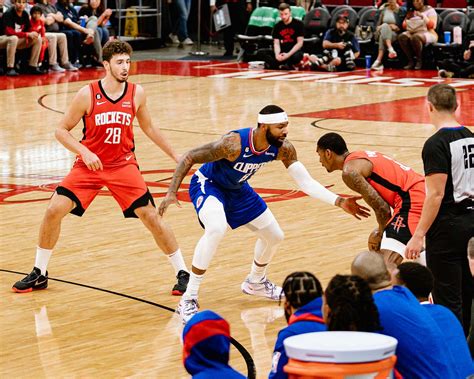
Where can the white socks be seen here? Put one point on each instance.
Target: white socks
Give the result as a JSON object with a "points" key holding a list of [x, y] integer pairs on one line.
{"points": [[177, 261], [257, 273], [42, 259], [193, 286]]}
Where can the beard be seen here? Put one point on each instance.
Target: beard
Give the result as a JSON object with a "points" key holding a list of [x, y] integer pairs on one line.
{"points": [[272, 140], [341, 31]]}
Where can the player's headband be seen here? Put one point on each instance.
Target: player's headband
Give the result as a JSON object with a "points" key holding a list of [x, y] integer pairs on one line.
{"points": [[273, 118]]}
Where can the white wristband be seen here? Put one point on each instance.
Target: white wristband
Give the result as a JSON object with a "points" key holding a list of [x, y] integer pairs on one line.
{"points": [[310, 186]]}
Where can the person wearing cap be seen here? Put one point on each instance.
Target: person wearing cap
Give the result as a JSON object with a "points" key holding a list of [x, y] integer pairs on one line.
{"points": [[206, 343], [422, 351], [221, 195], [341, 48]]}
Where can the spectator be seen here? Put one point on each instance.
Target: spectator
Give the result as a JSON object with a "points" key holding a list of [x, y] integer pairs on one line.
{"points": [[390, 19], [341, 48], [76, 34], [349, 305], [179, 33], [459, 68], [237, 13], [421, 345], [302, 304], [288, 37], [97, 18], [419, 280], [17, 23], [56, 40], [206, 342], [420, 24], [447, 218], [37, 25], [9, 43]]}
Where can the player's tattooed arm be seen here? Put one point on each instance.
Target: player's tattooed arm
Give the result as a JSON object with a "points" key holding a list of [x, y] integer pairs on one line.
{"points": [[228, 147], [287, 154], [357, 182]]}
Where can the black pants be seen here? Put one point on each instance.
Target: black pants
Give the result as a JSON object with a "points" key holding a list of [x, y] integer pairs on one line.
{"points": [[237, 13], [268, 56], [461, 69], [446, 257]]}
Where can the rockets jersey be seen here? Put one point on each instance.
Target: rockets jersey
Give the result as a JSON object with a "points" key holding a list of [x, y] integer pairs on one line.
{"points": [[391, 179], [232, 175], [108, 127]]}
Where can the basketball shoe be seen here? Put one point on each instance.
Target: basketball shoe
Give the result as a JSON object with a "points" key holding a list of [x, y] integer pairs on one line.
{"points": [[264, 288], [180, 287], [33, 281], [187, 308]]}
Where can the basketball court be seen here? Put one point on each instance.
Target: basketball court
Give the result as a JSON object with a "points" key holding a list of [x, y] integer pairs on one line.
{"points": [[108, 311]]}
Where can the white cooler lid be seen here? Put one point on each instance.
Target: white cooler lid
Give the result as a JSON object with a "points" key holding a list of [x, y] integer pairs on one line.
{"points": [[340, 347]]}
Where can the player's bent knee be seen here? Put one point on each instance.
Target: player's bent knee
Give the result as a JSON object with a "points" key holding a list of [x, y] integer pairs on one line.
{"points": [[216, 231]]}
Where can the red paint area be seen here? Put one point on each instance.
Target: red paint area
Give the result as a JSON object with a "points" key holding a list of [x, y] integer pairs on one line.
{"points": [[44, 192], [413, 110]]}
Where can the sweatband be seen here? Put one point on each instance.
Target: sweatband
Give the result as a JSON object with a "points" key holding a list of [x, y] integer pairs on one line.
{"points": [[310, 186], [273, 118]]}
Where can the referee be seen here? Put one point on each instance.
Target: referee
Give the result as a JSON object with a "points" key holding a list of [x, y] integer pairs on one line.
{"points": [[447, 219]]}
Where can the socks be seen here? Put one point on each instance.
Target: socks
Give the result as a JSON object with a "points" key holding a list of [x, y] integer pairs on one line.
{"points": [[257, 273], [193, 286], [177, 261], [42, 259]]}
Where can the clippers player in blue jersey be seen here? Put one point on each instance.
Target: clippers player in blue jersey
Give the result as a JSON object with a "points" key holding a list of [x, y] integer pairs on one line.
{"points": [[221, 196]]}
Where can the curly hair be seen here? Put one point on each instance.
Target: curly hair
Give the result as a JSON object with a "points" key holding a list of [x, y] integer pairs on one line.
{"points": [[300, 288], [115, 47], [351, 305]]}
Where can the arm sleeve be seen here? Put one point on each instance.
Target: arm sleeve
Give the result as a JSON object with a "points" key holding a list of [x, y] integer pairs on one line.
{"points": [[310, 186]]}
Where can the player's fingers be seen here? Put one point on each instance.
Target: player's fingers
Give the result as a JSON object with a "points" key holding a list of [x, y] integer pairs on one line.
{"points": [[357, 217], [178, 204], [101, 166]]}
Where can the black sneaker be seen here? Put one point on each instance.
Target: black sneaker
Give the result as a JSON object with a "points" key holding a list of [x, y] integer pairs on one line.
{"points": [[180, 287], [33, 281]]}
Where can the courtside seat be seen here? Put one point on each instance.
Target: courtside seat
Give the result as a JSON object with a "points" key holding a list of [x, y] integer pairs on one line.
{"points": [[258, 34], [348, 12], [316, 22], [453, 50]]}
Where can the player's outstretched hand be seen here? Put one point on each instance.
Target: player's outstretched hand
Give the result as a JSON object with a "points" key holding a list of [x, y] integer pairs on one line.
{"points": [[92, 161], [170, 198], [375, 238], [350, 205], [414, 247]]}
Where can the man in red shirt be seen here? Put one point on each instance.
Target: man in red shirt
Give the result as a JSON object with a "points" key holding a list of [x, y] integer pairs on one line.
{"points": [[105, 157], [386, 185], [17, 23]]}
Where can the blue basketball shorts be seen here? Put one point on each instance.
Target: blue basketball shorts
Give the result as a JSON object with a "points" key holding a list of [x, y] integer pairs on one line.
{"points": [[241, 205]]}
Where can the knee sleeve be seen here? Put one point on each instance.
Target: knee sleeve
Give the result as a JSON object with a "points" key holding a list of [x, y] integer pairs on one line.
{"points": [[269, 238], [212, 216]]}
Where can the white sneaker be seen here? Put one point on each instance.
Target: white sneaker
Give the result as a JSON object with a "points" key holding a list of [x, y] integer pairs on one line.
{"points": [[69, 67], [377, 66], [56, 68], [264, 288], [174, 38], [188, 41], [187, 308]]}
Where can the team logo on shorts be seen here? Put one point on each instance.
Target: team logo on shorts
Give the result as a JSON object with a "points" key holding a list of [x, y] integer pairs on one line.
{"points": [[398, 223], [199, 201]]}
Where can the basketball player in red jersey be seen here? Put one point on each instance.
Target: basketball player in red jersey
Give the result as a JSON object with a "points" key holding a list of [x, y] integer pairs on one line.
{"points": [[383, 183], [105, 157]]}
